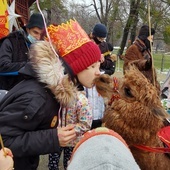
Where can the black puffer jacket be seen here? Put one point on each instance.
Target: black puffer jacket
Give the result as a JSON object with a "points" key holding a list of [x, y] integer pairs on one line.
{"points": [[108, 66], [13, 56], [28, 120]]}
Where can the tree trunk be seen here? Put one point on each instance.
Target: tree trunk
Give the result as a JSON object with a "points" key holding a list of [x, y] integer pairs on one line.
{"points": [[131, 22]]}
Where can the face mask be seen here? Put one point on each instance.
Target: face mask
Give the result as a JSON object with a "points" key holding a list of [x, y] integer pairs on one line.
{"points": [[31, 38], [96, 40]]}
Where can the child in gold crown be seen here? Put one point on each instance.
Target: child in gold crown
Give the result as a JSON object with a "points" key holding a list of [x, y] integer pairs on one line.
{"points": [[30, 113], [81, 58]]}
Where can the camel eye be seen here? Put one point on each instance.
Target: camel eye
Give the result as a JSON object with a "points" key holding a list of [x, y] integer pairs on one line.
{"points": [[128, 92]]}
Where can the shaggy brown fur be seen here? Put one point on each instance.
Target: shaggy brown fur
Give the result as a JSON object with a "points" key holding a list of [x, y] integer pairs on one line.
{"points": [[50, 71], [137, 116]]}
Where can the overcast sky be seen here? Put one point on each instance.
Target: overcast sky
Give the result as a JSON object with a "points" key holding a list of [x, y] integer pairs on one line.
{"points": [[79, 1]]}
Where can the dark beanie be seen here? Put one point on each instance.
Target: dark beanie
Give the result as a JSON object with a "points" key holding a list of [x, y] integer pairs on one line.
{"points": [[36, 20], [100, 30], [144, 32]]}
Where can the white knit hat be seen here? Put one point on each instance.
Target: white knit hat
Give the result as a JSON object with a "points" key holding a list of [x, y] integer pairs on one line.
{"points": [[102, 149]]}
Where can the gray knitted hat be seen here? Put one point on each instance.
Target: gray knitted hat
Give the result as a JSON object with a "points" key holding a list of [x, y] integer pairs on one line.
{"points": [[102, 151]]}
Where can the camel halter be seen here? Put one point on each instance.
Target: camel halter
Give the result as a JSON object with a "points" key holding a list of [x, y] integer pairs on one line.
{"points": [[152, 149], [163, 135], [115, 89]]}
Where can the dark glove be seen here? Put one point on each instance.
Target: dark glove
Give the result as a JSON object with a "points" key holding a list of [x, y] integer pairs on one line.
{"points": [[148, 64]]}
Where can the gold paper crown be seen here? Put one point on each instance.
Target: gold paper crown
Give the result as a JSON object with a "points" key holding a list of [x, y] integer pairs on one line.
{"points": [[68, 36]]}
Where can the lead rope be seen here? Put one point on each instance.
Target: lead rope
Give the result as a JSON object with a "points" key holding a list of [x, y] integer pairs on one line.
{"points": [[153, 73], [115, 89]]}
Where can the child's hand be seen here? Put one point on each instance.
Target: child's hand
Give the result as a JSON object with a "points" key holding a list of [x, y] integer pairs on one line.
{"points": [[6, 161], [66, 135]]}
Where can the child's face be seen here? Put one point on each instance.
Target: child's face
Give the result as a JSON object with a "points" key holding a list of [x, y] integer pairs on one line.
{"points": [[87, 76]]}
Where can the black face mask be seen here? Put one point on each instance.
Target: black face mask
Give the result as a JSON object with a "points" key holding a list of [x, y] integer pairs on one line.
{"points": [[96, 40]]}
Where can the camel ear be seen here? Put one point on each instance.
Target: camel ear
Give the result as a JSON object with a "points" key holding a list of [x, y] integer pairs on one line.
{"points": [[160, 113]]}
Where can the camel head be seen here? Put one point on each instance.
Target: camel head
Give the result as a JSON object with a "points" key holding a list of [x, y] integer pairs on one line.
{"points": [[133, 89]]}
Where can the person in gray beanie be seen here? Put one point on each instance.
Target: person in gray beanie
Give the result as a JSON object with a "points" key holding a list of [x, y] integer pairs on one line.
{"points": [[14, 50], [102, 149]]}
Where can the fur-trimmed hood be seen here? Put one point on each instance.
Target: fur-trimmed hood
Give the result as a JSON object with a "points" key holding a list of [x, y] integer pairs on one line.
{"points": [[50, 71]]}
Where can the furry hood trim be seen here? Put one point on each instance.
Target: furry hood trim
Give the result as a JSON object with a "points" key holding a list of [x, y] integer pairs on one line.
{"points": [[50, 71]]}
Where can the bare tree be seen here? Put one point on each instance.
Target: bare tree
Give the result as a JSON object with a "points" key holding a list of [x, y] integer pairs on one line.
{"points": [[55, 11], [123, 18], [131, 23]]}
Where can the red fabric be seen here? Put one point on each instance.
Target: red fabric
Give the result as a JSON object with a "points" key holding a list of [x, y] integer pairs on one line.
{"points": [[98, 131], [164, 135]]}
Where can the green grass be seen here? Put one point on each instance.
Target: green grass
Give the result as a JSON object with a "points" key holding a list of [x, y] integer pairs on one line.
{"points": [[161, 61]]}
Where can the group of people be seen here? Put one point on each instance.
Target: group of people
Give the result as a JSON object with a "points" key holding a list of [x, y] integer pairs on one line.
{"points": [[52, 102], [46, 109]]}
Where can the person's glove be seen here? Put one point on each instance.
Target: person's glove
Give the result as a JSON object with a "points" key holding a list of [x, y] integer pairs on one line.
{"points": [[148, 63]]}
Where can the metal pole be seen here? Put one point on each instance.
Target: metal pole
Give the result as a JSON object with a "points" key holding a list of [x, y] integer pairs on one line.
{"points": [[162, 62]]}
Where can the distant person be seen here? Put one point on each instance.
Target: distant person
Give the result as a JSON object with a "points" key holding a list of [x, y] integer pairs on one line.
{"points": [[165, 88], [108, 65], [14, 50], [139, 54], [99, 35], [102, 149]]}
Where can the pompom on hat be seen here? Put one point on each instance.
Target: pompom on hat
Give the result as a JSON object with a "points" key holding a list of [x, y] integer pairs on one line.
{"points": [[36, 20], [102, 148], [100, 30], [144, 32], [74, 45]]}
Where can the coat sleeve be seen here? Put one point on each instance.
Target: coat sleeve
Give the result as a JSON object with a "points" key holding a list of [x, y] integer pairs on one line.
{"points": [[22, 127], [107, 65], [6, 64], [134, 56]]}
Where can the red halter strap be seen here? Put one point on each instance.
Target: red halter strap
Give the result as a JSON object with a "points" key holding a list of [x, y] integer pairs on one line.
{"points": [[115, 89], [153, 149], [164, 135]]}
